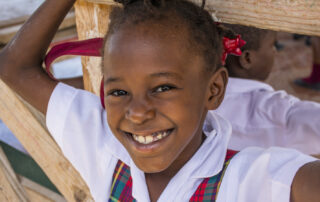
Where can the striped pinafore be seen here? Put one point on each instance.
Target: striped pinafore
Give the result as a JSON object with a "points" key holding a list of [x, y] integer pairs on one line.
{"points": [[121, 190]]}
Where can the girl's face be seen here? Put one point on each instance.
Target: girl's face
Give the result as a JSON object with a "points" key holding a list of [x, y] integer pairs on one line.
{"points": [[156, 95]]}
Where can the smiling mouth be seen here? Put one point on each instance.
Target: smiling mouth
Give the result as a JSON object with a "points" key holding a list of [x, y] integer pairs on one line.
{"points": [[154, 137]]}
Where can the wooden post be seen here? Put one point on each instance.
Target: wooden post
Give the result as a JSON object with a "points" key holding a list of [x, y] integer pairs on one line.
{"points": [[92, 21], [10, 188], [30, 131]]}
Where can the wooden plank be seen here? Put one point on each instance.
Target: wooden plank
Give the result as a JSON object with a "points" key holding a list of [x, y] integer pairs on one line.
{"points": [[7, 32], [37, 141], [36, 197], [39, 193], [10, 188], [7, 193], [296, 16], [14, 21], [91, 20]]}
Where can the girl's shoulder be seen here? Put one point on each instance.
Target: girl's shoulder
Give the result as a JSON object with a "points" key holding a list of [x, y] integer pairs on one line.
{"points": [[254, 173]]}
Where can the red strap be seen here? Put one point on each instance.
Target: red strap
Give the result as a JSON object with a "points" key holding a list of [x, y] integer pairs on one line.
{"points": [[230, 154], [90, 47]]}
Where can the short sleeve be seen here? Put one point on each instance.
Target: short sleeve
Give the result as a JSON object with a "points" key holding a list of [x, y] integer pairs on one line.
{"points": [[77, 121], [256, 174], [58, 107]]}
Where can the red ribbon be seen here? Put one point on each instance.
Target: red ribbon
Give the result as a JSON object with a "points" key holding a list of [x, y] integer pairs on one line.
{"points": [[232, 46]]}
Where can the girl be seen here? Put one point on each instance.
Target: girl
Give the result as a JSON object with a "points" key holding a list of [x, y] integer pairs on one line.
{"points": [[152, 142]]}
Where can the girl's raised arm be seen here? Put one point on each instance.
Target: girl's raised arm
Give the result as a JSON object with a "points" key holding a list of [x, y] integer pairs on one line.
{"points": [[21, 60]]}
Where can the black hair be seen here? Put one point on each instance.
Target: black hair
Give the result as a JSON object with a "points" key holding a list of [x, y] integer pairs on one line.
{"points": [[205, 34]]}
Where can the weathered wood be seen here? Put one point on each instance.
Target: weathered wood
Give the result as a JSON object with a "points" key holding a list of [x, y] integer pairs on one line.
{"points": [[37, 141], [297, 16], [39, 193], [92, 21], [14, 21], [7, 32], [7, 192], [10, 188]]}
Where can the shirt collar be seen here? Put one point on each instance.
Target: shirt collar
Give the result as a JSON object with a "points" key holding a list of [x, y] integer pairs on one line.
{"points": [[209, 159], [237, 85], [206, 162]]}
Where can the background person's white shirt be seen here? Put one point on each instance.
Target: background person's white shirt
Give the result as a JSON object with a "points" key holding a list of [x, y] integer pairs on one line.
{"points": [[77, 122], [263, 117]]}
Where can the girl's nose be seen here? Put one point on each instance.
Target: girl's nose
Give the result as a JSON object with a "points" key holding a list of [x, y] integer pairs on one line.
{"points": [[139, 112]]}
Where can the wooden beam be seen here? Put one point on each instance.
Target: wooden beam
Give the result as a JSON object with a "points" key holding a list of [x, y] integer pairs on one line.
{"points": [[31, 132], [10, 188], [92, 21], [9, 28], [296, 16], [36, 192]]}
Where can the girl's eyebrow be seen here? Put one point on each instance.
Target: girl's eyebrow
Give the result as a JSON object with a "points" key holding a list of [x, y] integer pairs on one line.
{"points": [[154, 75], [112, 80], [167, 75]]}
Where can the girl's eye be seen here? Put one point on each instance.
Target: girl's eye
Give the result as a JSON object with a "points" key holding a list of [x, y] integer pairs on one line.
{"points": [[163, 88], [118, 93]]}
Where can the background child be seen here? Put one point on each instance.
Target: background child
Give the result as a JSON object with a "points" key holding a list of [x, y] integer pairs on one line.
{"points": [[265, 117], [313, 81], [152, 143]]}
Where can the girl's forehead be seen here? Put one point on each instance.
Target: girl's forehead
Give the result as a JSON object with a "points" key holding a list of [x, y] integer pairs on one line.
{"points": [[154, 43], [152, 50]]}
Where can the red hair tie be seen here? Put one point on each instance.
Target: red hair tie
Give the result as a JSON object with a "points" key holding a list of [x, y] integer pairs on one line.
{"points": [[232, 46]]}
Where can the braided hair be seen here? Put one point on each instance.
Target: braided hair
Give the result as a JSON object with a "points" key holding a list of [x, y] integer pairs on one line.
{"points": [[204, 33]]}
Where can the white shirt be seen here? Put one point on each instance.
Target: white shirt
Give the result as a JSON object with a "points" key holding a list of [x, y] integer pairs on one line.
{"points": [[263, 117], [77, 122]]}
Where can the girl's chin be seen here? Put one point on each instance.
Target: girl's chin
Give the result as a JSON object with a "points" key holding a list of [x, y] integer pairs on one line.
{"points": [[152, 166]]}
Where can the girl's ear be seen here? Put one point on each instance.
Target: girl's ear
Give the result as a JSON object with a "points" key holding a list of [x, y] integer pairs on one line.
{"points": [[217, 87], [246, 59]]}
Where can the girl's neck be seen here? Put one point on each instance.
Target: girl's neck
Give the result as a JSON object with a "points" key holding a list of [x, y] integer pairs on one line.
{"points": [[157, 182]]}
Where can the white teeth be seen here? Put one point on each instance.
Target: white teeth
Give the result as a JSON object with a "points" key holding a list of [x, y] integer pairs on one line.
{"points": [[150, 138], [140, 139]]}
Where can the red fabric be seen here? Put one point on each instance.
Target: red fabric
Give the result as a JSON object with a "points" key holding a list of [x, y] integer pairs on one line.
{"points": [[102, 94], [232, 46], [208, 189], [314, 76], [90, 47]]}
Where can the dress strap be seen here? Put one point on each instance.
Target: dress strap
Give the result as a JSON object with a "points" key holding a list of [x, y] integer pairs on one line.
{"points": [[209, 187], [121, 189]]}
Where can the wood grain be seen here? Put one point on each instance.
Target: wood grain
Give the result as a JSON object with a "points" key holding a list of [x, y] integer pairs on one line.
{"points": [[36, 140], [10, 188], [92, 21], [38, 193], [296, 16]]}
